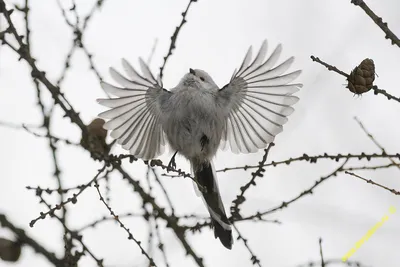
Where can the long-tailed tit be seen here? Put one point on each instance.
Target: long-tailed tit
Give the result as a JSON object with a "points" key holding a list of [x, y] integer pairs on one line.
{"points": [[197, 117]]}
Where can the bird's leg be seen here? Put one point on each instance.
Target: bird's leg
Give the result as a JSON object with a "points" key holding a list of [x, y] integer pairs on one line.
{"points": [[172, 163]]}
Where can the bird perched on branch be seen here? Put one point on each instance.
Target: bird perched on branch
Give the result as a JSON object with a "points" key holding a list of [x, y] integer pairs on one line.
{"points": [[197, 117]]}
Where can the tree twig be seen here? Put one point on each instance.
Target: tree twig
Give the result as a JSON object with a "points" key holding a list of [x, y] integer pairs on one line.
{"points": [[378, 21]]}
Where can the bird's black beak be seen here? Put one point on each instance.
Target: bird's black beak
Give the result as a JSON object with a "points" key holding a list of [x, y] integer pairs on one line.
{"points": [[192, 71]]}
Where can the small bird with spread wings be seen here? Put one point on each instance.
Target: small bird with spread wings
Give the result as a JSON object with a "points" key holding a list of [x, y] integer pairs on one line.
{"points": [[196, 118]]}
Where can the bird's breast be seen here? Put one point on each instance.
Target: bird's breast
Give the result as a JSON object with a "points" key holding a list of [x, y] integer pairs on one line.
{"points": [[194, 118]]}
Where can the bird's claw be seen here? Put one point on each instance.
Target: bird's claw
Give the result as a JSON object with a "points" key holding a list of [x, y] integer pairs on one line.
{"points": [[172, 163]]}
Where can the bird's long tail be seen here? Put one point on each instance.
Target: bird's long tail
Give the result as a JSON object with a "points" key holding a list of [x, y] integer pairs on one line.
{"points": [[205, 175]]}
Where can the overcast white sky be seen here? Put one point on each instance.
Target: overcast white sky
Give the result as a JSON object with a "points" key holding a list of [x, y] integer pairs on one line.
{"points": [[215, 39]]}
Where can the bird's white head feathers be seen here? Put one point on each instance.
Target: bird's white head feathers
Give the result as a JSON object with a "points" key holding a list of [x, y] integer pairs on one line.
{"points": [[199, 78]]}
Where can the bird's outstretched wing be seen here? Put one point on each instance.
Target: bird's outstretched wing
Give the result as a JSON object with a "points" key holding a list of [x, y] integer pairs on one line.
{"points": [[135, 115], [258, 99]]}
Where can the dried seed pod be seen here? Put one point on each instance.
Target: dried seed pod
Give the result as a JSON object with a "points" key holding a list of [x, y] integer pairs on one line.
{"points": [[9, 250], [96, 140], [96, 128], [362, 77]]}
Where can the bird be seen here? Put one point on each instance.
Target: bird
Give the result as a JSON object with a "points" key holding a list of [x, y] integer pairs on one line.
{"points": [[196, 118]]}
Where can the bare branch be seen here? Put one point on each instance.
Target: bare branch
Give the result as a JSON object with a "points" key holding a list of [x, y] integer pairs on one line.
{"points": [[25, 239], [309, 191], [240, 199], [314, 159], [254, 259], [72, 200], [174, 37], [374, 183], [130, 236], [320, 253], [378, 21]]}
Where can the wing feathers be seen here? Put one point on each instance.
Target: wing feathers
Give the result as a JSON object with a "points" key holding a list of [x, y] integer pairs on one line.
{"points": [[260, 98], [134, 116]]}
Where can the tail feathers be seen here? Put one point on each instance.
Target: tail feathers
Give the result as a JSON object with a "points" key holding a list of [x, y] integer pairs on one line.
{"points": [[206, 177], [225, 236]]}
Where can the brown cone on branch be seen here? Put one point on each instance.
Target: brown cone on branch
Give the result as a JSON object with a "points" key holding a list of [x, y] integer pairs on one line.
{"points": [[95, 142], [9, 250], [362, 77]]}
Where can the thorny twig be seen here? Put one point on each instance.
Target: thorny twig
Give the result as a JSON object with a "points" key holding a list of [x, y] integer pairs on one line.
{"points": [[172, 221], [110, 218], [29, 130], [314, 159], [78, 31], [72, 200], [158, 180], [26, 239], [370, 136], [393, 191], [116, 217], [240, 199], [378, 167], [378, 21], [73, 235], [309, 191], [46, 116], [254, 259], [174, 37], [160, 243], [39, 190]]}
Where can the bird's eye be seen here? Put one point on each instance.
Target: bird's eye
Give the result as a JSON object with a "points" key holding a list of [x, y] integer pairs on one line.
{"points": [[202, 78]]}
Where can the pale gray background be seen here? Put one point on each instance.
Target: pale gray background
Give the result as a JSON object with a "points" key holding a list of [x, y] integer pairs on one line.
{"points": [[216, 38]]}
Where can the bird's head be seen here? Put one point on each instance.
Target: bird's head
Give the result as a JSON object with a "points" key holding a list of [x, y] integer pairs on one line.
{"points": [[199, 78]]}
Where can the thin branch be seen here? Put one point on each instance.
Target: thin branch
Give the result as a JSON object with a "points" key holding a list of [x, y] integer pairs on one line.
{"points": [[40, 75], [374, 183], [148, 216], [110, 218], [378, 21], [373, 168], [309, 191], [333, 262], [321, 254], [92, 65], [240, 199], [314, 159], [159, 163], [25, 239], [39, 190], [164, 190], [375, 88], [160, 243], [130, 236], [153, 49], [174, 37], [96, 6], [172, 221], [72, 200], [74, 235], [28, 129], [67, 64], [370, 136], [329, 67], [254, 259]]}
